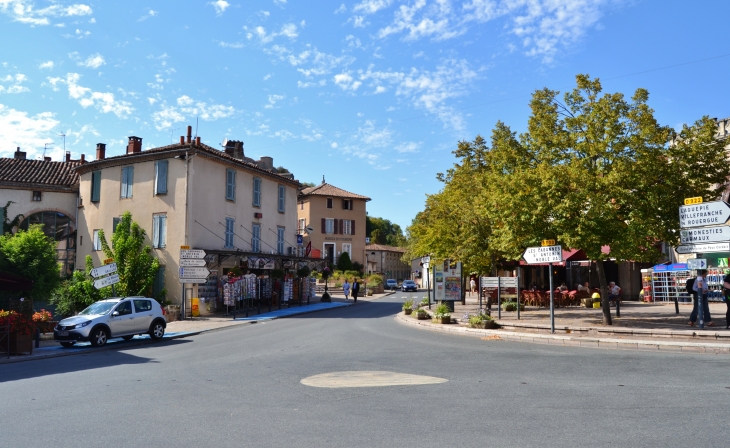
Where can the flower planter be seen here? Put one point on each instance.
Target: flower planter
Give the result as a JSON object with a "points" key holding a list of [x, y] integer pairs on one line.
{"points": [[445, 320], [487, 325], [408, 311], [19, 344], [421, 316]]}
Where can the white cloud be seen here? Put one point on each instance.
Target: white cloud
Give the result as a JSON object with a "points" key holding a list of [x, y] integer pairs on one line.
{"points": [[93, 61], [13, 84], [103, 101], [288, 30], [341, 9], [150, 13], [188, 107], [268, 76], [47, 64], [24, 11], [280, 2], [273, 99], [236, 45], [371, 6], [220, 6], [29, 132], [346, 82], [151, 100], [408, 147]]}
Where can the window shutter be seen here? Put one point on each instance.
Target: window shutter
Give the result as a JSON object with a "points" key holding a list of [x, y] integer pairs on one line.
{"points": [[334, 223], [163, 230], [156, 231], [256, 192], [324, 226], [352, 227], [282, 192], [95, 186], [161, 177]]}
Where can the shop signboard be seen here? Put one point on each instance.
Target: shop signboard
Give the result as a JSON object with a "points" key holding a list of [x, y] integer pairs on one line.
{"points": [[671, 267], [447, 281], [106, 281], [705, 214], [705, 235], [541, 255], [261, 263], [697, 263], [703, 248]]}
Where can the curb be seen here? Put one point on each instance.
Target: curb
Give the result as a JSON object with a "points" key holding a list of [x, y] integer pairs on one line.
{"points": [[591, 342]]}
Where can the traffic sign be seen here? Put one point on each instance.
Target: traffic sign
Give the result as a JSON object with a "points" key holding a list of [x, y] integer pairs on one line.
{"points": [[103, 270], [191, 262], [300, 240], [194, 273], [693, 201], [504, 282], [547, 243], [426, 259], [106, 281], [697, 263], [426, 265], [192, 253], [703, 248], [705, 235], [539, 255], [706, 214], [193, 280]]}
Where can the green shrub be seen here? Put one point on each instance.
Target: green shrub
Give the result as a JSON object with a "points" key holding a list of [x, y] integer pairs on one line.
{"points": [[408, 304], [375, 280], [442, 310], [512, 306]]}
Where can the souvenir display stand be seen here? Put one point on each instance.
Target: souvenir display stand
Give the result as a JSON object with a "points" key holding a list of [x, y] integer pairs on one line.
{"points": [[668, 283], [208, 293]]}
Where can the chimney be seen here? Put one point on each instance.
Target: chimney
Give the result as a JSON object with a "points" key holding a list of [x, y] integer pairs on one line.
{"points": [[46, 159], [266, 163], [190, 134], [134, 145], [83, 158], [182, 139], [19, 154], [68, 156], [238, 150], [197, 141], [100, 151]]}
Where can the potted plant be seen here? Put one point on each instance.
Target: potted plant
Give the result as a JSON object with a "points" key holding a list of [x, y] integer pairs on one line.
{"points": [[512, 306], [21, 331], [44, 321], [325, 276], [408, 306], [482, 319], [442, 313], [420, 314]]}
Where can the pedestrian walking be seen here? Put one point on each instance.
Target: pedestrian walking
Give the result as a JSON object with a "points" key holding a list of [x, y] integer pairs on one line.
{"points": [[699, 294], [355, 290], [473, 286], [726, 290], [346, 289]]}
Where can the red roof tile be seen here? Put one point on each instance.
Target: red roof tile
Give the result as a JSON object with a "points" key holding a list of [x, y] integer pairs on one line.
{"points": [[326, 189], [38, 173]]}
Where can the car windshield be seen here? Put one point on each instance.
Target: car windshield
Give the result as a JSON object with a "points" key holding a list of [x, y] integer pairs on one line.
{"points": [[391, 281], [98, 308], [408, 282]]}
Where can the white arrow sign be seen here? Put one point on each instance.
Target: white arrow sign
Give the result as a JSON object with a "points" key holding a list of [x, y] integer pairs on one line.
{"points": [[705, 214], [193, 280], [103, 270], [547, 254], [106, 281], [194, 273], [703, 248], [705, 235], [192, 253], [697, 263], [191, 262]]}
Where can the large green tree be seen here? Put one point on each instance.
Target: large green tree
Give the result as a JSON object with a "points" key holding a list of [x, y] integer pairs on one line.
{"points": [[31, 254], [382, 231]]}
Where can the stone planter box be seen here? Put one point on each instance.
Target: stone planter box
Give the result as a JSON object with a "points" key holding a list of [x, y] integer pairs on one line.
{"points": [[408, 311], [486, 325], [421, 316]]}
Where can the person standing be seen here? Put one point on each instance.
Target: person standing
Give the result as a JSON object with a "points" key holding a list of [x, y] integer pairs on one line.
{"points": [[700, 295], [726, 290], [473, 286], [355, 290], [346, 289]]}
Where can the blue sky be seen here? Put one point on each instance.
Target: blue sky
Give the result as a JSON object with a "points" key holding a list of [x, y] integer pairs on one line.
{"points": [[373, 94]]}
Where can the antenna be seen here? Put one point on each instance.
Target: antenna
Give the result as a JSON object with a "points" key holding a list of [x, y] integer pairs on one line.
{"points": [[171, 131], [45, 147], [225, 142], [196, 127], [64, 141]]}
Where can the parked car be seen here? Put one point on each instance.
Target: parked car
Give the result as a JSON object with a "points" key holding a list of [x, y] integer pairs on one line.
{"points": [[409, 285], [391, 284], [117, 317]]}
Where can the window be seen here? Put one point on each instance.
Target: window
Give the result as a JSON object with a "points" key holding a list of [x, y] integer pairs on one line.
{"points": [[301, 226], [282, 198], [329, 202], [159, 231], [127, 181], [256, 238], [141, 306], [37, 196], [159, 283], [347, 204], [346, 227], [329, 225], [124, 308], [256, 192], [115, 223], [97, 241], [301, 205], [347, 247], [230, 185], [280, 240], [230, 223], [95, 186], [161, 177]]}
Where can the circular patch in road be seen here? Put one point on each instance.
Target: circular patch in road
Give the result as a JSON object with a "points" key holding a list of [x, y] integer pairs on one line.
{"points": [[369, 379]]}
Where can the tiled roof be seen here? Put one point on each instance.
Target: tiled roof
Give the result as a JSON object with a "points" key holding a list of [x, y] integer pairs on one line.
{"points": [[385, 248], [28, 173], [326, 189]]}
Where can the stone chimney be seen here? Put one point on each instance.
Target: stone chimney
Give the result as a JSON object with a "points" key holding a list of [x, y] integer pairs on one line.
{"points": [[266, 163], [46, 159], [68, 156], [234, 148], [135, 145], [100, 151], [190, 134], [19, 154], [83, 159]]}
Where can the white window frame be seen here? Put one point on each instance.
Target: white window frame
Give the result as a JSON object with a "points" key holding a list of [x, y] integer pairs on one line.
{"points": [[329, 226], [230, 232], [301, 225], [281, 202], [346, 227], [256, 237], [159, 230], [280, 231], [256, 192], [96, 241]]}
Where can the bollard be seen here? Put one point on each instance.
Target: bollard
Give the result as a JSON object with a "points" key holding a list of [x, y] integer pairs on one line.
{"points": [[37, 338], [618, 307], [676, 305]]}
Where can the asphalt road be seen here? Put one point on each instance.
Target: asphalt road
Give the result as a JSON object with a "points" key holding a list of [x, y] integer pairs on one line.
{"points": [[242, 387]]}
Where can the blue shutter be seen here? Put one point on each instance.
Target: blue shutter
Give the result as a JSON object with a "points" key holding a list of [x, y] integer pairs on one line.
{"points": [[230, 223], [95, 186], [231, 185], [130, 181], [161, 177], [256, 192], [282, 192]]}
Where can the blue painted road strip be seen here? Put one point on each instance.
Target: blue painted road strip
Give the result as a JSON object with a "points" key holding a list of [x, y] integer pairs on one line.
{"points": [[114, 341], [295, 310]]}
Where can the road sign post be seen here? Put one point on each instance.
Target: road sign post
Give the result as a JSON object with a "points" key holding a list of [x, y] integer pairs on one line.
{"points": [[549, 255]]}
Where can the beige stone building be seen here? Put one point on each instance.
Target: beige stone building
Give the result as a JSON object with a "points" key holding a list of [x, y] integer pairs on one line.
{"points": [[43, 192], [337, 219], [387, 261], [240, 211]]}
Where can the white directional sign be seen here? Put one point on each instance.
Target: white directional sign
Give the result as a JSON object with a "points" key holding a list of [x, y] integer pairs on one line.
{"points": [[192, 280], [194, 273], [103, 270], [192, 253], [106, 281], [697, 263], [426, 259], [192, 262], [504, 282], [547, 254], [703, 248], [705, 235], [705, 214]]}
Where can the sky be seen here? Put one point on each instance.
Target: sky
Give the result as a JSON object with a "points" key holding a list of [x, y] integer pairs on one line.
{"points": [[374, 95]]}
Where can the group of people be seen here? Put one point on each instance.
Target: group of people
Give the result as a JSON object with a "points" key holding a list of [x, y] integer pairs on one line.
{"points": [[698, 287], [354, 288]]}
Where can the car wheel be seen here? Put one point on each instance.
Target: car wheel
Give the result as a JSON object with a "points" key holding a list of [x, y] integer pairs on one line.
{"points": [[128, 338], [67, 344], [157, 330], [98, 337]]}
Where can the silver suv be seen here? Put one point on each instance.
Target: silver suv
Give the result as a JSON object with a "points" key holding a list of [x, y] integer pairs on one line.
{"points": [[115, 317]]}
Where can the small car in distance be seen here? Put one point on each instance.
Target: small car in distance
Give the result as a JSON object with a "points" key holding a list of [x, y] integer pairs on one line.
{"points": [[391, 284], [117, 317], [409, 285]]}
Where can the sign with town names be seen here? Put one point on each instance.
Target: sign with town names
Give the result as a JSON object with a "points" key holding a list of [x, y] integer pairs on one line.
{"points": [[705, 214], [192, 262], [705, 235], [103, 270], [540, 255], [503, 282], [192, 253], [192, 280], [703, 248], [194, 272], [106, 281]]}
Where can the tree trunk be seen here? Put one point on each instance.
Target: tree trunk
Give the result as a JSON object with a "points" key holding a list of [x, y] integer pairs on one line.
{"points": [[605, 304]]}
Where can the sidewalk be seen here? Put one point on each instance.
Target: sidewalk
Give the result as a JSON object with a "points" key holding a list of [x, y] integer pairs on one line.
{"points": [[181, 329], [641, 326]]}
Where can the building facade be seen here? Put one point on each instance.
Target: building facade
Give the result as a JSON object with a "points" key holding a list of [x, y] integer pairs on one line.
{"points": [[332, 220], [189, 194], [387, 261]]}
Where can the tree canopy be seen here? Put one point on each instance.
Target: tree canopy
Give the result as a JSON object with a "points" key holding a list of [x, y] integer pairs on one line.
{"points": [[382, 231], [32, 255]]}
